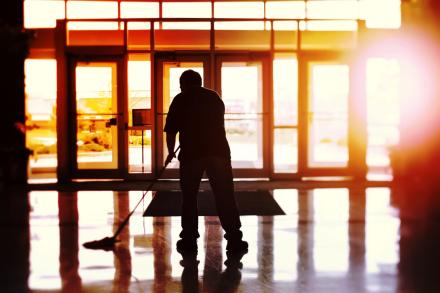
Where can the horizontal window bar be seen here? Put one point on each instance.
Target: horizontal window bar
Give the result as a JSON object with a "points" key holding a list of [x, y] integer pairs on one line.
{"points": [[285, 127]]}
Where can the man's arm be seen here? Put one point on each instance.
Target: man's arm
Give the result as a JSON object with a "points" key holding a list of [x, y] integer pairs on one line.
{"points": [[172, 128], [171, 141]]}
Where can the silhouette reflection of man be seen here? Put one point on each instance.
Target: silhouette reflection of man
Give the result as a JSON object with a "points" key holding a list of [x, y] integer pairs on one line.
{"points": [[226, 281], [197, 114]]}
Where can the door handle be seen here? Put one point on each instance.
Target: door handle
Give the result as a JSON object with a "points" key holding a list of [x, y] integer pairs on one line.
{"points": [[111, 122]]}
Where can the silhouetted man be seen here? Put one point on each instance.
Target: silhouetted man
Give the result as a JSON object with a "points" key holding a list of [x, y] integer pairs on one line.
{"points": [[197, 114]]}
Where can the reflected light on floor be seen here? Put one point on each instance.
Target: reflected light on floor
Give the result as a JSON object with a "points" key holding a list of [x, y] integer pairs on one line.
{"points": [[343, 239]]}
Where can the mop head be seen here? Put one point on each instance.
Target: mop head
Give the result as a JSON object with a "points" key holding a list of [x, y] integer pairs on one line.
{"points": [[107, 243]]}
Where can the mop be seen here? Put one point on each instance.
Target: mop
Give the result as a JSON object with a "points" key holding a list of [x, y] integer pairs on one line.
{"points": [[108, 243]]}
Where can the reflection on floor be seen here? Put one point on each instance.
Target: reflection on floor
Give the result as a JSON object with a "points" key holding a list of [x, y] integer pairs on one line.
{"points": [[331, 240]]}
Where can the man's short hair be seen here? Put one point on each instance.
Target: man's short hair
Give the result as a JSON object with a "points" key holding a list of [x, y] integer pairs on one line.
{"points": [[190, 78]]}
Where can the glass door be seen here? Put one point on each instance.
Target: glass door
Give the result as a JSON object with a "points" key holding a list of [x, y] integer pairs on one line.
{"points": [[98, 142], [169, 67], [325, 115], [241, 82]]}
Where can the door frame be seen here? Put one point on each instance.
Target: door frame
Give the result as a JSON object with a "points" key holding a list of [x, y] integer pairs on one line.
{"points": [[212, 79], [266, 113], [304, 58], [121, 74], [159, 142]]}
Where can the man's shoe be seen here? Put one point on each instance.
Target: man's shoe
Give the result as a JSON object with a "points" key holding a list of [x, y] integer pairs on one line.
{"points": [[186, 245], [237, 246]]}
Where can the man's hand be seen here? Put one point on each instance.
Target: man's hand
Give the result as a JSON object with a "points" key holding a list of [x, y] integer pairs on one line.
{"points": [[169, 158], [171, 140]]}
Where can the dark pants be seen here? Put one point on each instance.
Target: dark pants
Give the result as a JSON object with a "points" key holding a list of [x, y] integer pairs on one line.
{"points": [[219, 172]]}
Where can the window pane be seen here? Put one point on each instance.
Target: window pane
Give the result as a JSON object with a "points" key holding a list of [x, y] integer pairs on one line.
{"points": [[328, 115], [381, 14], [96, 115], [332, 9], [139, 9], [285, 91], [186, 9], [139, 86], [42, 14], [140, 25], [93, 25], [285, 25], [331, 25], [41, 135], [239, 9], [186, 25], [285, 154], [285, 9], [92, 9], [239, 25], [241, 89]]}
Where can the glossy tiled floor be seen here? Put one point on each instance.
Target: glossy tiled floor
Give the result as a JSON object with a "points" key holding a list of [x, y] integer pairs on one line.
{"points": [[330, 240]]}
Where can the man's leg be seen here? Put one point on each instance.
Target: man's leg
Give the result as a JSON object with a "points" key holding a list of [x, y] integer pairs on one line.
{"points": [[190, 175], [219, 172]]}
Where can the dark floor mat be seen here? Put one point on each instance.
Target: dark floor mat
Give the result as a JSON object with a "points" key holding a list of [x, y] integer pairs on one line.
{"points": [[168, 203]]}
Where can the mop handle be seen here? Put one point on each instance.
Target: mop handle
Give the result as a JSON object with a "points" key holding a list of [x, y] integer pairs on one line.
{"points": [[127, 218]]}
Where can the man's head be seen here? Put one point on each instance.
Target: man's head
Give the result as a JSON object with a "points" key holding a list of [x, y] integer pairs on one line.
{"points": [[190, 79]]}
